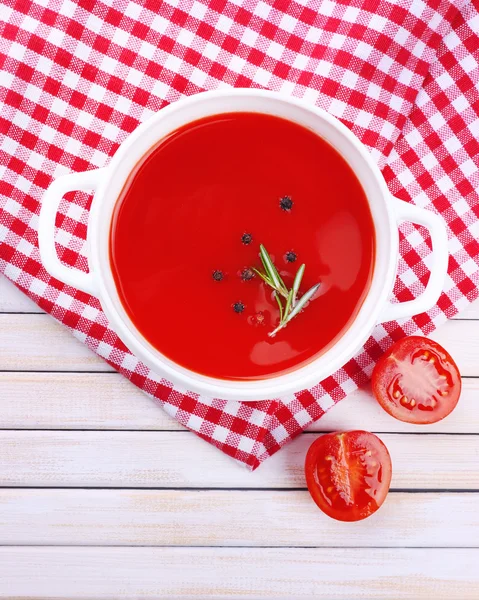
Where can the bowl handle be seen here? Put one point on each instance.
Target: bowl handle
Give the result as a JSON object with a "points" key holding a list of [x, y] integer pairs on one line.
{"points": [[404, 211], [86, 181]]}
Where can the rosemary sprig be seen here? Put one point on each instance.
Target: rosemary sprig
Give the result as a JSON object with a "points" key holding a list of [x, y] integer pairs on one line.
{"points": [[292, 306], [270, 269], [297, 283]]}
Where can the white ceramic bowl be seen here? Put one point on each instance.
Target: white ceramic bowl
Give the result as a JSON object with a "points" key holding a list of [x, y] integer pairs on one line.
{"points": [[386, 211]]}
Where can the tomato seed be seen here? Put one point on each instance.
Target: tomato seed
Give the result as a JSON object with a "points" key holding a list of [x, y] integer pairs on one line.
{"points": [[434, 375]]}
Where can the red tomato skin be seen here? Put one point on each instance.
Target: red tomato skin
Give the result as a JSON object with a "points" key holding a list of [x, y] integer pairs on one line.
{"points": [[348, 474], [426, 358]]}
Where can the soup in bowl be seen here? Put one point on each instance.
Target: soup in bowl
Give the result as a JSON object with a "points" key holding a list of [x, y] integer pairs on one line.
{"points": [[200, 210]]}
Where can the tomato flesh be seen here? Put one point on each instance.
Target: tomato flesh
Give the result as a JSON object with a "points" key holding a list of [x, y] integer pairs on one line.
{"points": [[348, 474], [417, 381]]}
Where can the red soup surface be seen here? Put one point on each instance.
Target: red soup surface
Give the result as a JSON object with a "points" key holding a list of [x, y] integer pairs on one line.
{"points": [[183, 216]]}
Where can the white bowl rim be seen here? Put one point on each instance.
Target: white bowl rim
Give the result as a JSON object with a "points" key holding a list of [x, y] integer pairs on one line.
{"points": [[386, 212]]}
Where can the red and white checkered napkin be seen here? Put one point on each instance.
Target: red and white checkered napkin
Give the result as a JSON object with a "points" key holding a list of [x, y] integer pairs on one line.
{"points": [[78, 77]]}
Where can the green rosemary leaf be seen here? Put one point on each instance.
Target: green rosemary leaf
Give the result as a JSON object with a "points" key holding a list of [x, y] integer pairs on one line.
{"points": [[268, 281], [278, 300], [297, 283], [263, 277], [271, 270], [289, 302], [302, 302], [272, 278], [268, 265]]}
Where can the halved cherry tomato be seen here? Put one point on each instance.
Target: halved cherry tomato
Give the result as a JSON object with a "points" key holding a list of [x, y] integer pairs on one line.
{"points": [[348, 474], [417, 381]]}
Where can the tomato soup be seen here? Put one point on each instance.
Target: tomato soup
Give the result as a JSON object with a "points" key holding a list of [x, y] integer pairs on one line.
{"points": [[186, 234]]}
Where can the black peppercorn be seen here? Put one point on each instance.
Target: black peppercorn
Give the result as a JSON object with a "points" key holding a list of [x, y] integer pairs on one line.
{"points": [[286, 203], [247, 274], [218, 275], [238, 307], [246, 238], [291, 256]]}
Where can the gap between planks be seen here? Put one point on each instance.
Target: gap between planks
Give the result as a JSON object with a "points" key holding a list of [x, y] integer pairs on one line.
{"points": [[178, 459], [108, 401], [39, 343]]}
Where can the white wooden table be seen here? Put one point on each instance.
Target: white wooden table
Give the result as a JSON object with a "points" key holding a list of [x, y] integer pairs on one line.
{"points": [[103, 496]]}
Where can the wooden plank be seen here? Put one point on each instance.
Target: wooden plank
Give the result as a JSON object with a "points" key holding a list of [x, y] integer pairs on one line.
{"points": [[242, 573], [461, 339], [361, 411], [78, 401], [39, 343], [178, 459], [471, 312], [226, 518], [12, 300], [109, 401]]}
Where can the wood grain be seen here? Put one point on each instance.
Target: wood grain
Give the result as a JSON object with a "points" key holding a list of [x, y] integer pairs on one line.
{"points": [[242, 573], [12, 300], [470, 312], [78, 401], [229, 518], [39, 343], [419, 545], [180, 459], [360, 410], [109, 401], [461, 338]]}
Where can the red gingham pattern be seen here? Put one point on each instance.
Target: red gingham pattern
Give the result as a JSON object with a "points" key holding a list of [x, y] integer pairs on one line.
{"points": [[76, 78]]}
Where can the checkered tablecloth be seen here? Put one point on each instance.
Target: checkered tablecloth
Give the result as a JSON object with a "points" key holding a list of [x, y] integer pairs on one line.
{"points": [[77, 77]]}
